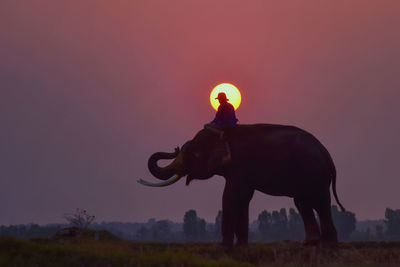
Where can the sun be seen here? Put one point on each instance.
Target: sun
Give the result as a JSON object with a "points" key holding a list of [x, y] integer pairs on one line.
{"points": [[231, 91]]}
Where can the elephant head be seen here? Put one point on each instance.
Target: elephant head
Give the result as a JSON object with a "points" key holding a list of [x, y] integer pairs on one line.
{"points": [[199, 158]]}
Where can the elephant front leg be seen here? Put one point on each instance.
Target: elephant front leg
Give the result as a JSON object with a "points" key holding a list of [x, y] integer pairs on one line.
{"points": [[242, 225], [235, 213], [228, 218]]}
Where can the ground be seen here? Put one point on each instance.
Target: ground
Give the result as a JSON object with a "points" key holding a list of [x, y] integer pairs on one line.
{"points": [[114, 252]]}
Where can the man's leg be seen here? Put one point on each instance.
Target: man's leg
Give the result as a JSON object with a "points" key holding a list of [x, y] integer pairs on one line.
{"points": [[214, 128], [220, 131]]}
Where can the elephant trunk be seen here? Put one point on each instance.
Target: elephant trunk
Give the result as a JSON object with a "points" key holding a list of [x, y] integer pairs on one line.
{"points": [[163, 173]]}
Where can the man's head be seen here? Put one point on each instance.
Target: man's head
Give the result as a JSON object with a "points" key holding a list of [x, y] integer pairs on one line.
{"points": [[222, 98]]}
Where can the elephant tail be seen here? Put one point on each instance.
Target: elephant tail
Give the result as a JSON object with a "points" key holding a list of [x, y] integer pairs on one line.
{"points": [[334, 185]]}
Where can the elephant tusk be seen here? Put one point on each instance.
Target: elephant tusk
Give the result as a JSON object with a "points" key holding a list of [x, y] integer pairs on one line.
{"points": [[170, 181]]}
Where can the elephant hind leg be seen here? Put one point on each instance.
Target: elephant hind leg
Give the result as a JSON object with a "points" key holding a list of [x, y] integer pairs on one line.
{"points": [[311, 227], [323, 209]]}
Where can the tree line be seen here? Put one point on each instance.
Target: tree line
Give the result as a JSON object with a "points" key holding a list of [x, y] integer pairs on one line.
{"points": [[276, 225], [271, 226]]}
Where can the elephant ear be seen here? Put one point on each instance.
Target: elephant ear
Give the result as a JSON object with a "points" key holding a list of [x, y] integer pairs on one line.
{"points": [[216, 157]]}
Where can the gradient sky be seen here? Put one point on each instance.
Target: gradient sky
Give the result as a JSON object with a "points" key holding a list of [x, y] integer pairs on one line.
{"points": [[90, 89]]}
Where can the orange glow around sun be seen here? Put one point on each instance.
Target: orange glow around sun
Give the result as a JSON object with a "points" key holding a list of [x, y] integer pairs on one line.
{"points": [[231, 91]]}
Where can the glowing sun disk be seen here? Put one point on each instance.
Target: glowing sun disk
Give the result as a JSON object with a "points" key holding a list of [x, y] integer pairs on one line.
{"points": [[231, 91]]}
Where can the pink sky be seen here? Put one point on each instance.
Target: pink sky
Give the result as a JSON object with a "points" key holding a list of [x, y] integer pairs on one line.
{"points": [[90, 89]]}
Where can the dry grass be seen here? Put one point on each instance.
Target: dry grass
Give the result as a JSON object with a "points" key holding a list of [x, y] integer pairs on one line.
{"points": [[86, 252]]}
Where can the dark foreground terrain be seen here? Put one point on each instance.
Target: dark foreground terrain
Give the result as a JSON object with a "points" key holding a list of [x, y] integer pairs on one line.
{"points": [[114, 252]]}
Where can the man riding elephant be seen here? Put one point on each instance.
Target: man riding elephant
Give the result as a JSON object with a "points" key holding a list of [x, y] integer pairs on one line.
{"points": [[225, 117], [224, 120], [278, 160]]}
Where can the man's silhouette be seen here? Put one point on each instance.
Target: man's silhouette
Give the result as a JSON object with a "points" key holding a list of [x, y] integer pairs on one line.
{"points": [[224, 120], [225, 117]]}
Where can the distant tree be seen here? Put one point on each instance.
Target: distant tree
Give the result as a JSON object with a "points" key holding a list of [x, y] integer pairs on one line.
{"points": [[275, 226], [201, 229], [264, 224], [368, 234], [34, 230], [23, 233], [218, 223], [379, 232], [163, 226], [295, 226], [161, 231], [142, 234], [345, 222], [3, 230], [194, 228], [29, 231], [279, 225], [151, 222], [190, 228], [284, 223], [81, 218], [392, 221]]}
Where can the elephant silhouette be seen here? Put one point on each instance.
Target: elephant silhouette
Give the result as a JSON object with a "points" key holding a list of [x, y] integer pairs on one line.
{"points": [[274, 159]]}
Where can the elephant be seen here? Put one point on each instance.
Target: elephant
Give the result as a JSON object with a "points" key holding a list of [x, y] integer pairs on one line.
{"points": [[278, 160]]}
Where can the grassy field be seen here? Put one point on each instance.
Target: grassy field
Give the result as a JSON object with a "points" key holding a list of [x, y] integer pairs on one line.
{"points": [[113, 252]]}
